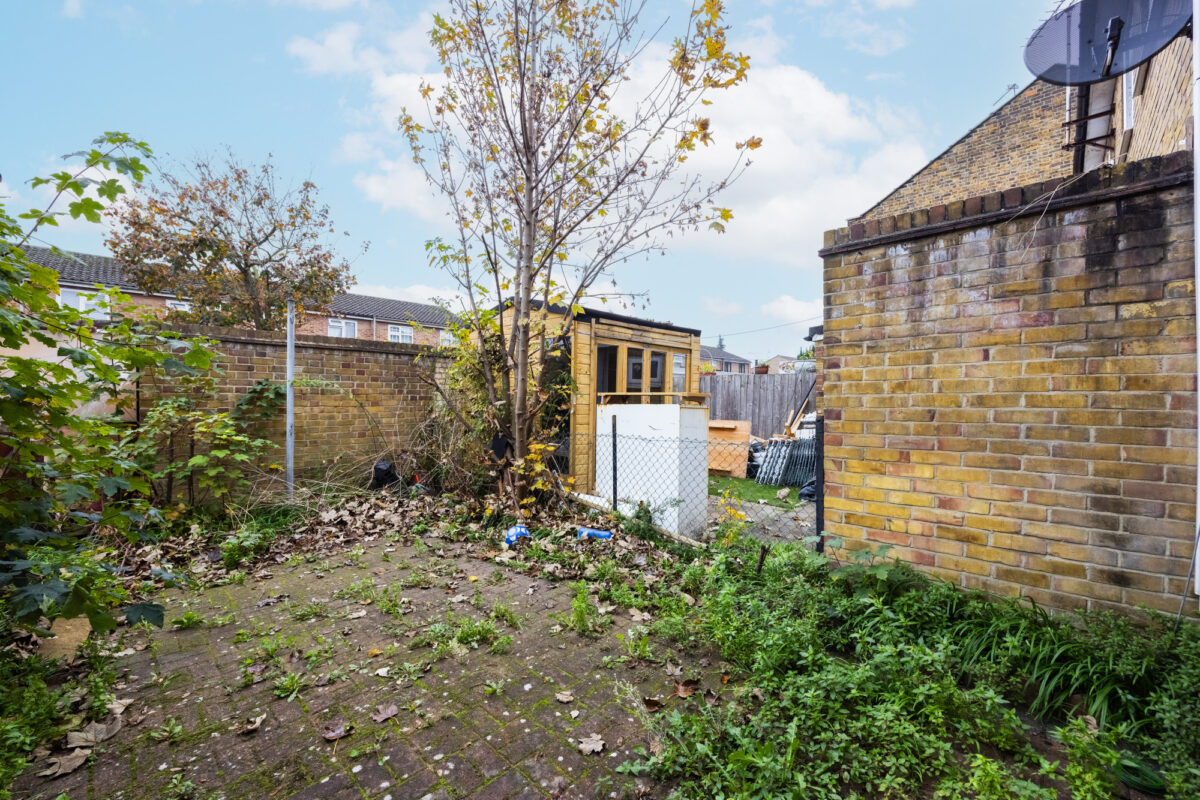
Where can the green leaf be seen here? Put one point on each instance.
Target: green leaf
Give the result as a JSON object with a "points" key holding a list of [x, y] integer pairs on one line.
{"points": [[111, 484], [87, 208], [145, 612]]}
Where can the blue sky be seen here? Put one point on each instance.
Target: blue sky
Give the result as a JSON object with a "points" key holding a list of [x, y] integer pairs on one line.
{"points": [[850, 96]]}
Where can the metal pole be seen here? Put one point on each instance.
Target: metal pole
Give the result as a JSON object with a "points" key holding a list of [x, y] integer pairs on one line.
{"points": [[614, 460], [290, 446], [820, 498]]}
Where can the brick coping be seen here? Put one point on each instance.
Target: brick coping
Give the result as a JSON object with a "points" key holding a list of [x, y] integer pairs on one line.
{"points": [[1104, 183], [279, 339]]}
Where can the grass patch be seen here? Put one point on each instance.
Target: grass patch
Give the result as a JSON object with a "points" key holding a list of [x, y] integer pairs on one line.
{"points": [[746, 490]]}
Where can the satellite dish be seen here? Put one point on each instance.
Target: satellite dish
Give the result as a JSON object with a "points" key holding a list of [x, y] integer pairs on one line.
{"points": [[1094, 40]]}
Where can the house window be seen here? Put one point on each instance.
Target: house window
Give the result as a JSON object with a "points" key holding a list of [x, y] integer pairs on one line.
{"points": [[401, 334], [84, 300], [179, 305], [679, 373], [343, 328], [446, 338]]}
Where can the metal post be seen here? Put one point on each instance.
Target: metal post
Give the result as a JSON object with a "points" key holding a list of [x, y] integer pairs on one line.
{"points": [[820, 493], [290, 447], [614, 460], [1194, 568]]}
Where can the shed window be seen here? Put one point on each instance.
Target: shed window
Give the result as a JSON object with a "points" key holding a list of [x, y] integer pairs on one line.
{"points": [[658, 368], [679, 373], [633, 377], [606, 368]]}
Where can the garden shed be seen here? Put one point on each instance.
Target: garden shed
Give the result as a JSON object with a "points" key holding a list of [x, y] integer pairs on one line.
{"points": [[618, 359]]}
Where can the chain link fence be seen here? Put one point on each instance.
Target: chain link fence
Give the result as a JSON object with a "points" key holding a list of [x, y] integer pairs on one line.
{"points": [[688, 487]]}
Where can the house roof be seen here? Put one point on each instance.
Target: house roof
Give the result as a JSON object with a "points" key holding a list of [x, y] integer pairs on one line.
{"points": [[85, 269], [361, 305], [594, 313], [708, 353]]}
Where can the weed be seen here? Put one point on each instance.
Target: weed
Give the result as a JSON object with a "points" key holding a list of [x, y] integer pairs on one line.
{"points": [[497, 577], [189, 619], [585, 618], [502, 645], [169, 731], [289, 685], [636, 642], [503, 612], [495, 687], [308, 612], [1092, 758]]}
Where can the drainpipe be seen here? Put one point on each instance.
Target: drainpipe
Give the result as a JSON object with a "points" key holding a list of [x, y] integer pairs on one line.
{"points": [[290, 432]]}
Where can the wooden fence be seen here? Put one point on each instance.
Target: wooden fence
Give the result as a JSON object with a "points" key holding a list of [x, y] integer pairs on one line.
{"points": [[766, 400]]}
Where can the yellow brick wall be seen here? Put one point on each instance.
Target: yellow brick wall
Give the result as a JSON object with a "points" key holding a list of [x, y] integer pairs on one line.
{"points": [[1011, 402], [376, 399], [1163, 111], [1019, 143]]}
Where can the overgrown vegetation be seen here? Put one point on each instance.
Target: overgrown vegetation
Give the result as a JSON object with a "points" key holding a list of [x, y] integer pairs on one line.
{"points": [[866, 679]]}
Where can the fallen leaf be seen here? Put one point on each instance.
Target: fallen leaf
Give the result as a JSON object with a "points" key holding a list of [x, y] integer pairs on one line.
{"points": [[93, 734], [251, 725], [725, 679], [118, 706], [686, 688], [673, 670], [337, 730], [652, 703], [783, 493], [384, 713], [357, 614], [592, 744], [374, 651], [574, 714], [64, 765], [687, 598], [712, 698], [564, 697], [458, 598], [270, 601], [473, 578], [383, 673], [639, 616]]}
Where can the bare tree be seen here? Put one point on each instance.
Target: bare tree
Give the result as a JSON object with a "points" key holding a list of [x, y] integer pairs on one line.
{"points": [[553, 175]]}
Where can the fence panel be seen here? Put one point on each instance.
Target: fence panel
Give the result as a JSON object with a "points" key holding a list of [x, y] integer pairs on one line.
{"points": [[765, 400]]}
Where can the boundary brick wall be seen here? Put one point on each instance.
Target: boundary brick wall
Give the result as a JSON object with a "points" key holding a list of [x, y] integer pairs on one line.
{"points": [[331, 428], [1019, 143], [1009, 386]]}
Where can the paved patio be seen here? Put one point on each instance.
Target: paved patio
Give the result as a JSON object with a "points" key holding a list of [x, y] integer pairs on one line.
{"points": [[449, 736]]}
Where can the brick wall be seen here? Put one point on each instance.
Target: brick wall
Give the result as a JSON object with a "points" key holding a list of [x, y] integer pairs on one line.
{"points": [[1163, 110], [331, 426], [1019, 143], [1010, 390]]}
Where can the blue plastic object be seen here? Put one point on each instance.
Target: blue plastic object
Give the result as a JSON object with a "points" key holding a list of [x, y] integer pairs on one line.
{"points": [[514, 533], [593, 533]]}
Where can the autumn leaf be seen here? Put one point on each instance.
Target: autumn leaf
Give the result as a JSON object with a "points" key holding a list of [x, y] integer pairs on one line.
{"points": [[592, 744], [384, 713], [337, 730]]}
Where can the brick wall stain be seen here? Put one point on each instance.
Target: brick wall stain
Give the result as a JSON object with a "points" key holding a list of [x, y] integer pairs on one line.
{"points": [[1012, 405], [1019, 143], [332, 428]]}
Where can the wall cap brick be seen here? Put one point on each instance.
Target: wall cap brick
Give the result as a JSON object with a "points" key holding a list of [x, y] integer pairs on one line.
{"points": [[1104, 183], [276, 338]]}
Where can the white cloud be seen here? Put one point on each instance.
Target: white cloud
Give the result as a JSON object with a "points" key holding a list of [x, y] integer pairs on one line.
{"points": [[789, 309], [397, 184], [893, 3], [72, 9], [720, 306], [336, 53]]}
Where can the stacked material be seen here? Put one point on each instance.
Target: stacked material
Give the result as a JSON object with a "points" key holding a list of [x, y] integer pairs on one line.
{"points": [[788, 462]]}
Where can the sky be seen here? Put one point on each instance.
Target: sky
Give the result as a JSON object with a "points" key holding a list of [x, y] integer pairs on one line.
{"points": [[850, 97]]}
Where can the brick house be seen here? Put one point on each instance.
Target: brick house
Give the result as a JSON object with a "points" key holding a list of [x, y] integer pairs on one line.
{"points": [[724, 361], [350, 316], [1008, 353]]}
